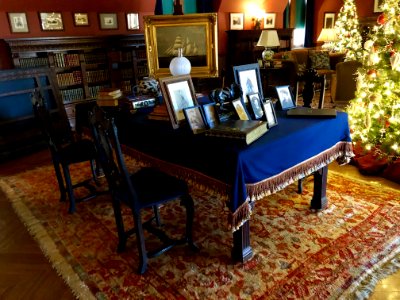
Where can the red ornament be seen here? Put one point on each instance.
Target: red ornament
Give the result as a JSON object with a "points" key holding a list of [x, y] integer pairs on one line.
{"points": [[381, 19]]}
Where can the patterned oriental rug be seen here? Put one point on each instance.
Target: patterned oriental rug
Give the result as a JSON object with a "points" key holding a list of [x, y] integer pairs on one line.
{"points": [[340, 252]]}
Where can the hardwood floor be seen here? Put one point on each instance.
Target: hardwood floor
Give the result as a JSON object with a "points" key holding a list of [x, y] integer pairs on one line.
{"points": [[26, 274]]}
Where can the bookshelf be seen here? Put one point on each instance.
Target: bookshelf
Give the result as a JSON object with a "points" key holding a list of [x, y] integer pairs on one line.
{"points": [[83, 65]]}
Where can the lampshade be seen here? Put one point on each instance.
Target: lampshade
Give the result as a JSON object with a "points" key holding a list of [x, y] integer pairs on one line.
{"points": [[268, 38], [327, 35], [180, 65]]}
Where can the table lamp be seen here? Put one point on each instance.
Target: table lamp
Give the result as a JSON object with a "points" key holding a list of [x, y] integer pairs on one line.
{"points": [[180, 65], [328, 36], [268, 38]]}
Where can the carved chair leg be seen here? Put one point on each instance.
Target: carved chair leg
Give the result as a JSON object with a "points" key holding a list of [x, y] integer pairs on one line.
{"points": [[72, 206], [140, 243], [122, 236], [188, 203], [60, 181]]}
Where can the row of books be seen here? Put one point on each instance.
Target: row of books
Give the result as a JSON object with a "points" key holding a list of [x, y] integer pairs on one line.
{"points": [[65, 79], [72, 95], [95, 58], [33, 62], [63, 60], [97, 75]]}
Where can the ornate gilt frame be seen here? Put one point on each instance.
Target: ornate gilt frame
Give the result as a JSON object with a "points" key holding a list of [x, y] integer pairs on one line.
{"points": [[199, 31]]}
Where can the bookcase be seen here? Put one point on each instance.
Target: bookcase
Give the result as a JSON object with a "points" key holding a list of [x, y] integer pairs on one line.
{"points": [[83, 65]]}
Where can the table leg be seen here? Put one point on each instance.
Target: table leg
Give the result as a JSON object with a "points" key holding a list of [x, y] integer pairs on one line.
{"points": [[242, 250], [319, 200]]}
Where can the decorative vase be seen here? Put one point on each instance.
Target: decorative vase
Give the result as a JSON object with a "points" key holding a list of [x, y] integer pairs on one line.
{"points": [[180, 65]]}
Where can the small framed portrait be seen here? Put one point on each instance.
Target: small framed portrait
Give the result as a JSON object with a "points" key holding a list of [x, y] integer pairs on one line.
{"points": [[269, 113], [378, 5], [236, 21], [51, 21], [18, 22], [210, 114], [240, 109], [195, 119], [329, 20], [132, 21], [285, 97], [81, 19], [255, 105], [178, 93], [249, 79], [269, 20], [108, 21]]}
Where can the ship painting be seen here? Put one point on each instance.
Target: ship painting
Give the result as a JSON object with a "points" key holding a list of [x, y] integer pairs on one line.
{"points": [[189, 48], [192, 40]]}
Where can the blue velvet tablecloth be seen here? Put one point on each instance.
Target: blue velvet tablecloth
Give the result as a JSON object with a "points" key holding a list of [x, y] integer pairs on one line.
{"points": [[294, 148]]}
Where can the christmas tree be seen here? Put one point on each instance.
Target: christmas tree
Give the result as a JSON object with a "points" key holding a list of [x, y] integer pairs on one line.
{"points": [[348, 32], [374, 114]]}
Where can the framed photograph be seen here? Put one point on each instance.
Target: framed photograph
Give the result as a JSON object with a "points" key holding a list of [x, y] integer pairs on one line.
{"points": [[329, 20], [269, 113], [240, 109], [285, 97], [236, 21], [108, 21], [132, 21], [255, 105], [269, 20], [81, 19], [195, 33], [178, 93], [51, 21], [378, 5], [18, 22], [210, 114], [195, 119], [249, 79]]}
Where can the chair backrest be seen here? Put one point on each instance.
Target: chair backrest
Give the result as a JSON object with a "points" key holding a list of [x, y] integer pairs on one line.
{"points": [[55, 129], [346, 80], [109, 154]]}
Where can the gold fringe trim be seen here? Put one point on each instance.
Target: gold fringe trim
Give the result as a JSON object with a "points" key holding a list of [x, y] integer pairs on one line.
{"points": [[194, 178], [47, 245], [342, 152]]}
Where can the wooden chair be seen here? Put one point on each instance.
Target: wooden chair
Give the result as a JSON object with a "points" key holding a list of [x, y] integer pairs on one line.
{"points": [[65, 150], [146, 188]]}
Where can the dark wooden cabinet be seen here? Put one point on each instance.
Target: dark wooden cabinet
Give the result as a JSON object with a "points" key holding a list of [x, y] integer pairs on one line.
{"points": [[83, 65], [242, 49]]}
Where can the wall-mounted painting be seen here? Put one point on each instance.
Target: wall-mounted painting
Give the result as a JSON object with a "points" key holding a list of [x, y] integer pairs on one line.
{"points": [[196, 34], [18, 22]]}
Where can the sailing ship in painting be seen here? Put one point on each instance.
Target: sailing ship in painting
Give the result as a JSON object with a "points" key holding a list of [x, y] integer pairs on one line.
{"points": [[189, 48]]}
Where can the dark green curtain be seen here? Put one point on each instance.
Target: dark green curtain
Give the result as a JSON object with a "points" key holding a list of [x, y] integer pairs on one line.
{"points": [[204, 6], [309, 24]]}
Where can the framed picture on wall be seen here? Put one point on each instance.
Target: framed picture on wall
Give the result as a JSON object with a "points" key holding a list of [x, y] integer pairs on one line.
{"points": [[81, 19], [236, 21], [132, 21], [51, 21], [18, 22], [108, 21], [329, 20], [269, 20], [377, 5]]}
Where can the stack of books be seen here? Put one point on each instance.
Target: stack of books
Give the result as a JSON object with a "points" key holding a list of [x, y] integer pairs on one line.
{"points": [[246, 131], [140, 101], [108, 96]]}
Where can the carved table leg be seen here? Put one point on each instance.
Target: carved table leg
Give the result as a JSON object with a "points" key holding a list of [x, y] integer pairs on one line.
{"points": [[242, 250], [319, 200]]}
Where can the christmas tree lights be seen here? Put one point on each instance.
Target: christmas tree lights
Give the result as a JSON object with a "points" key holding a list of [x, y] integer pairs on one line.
{"points": [[374, 114], [348, 32]]}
